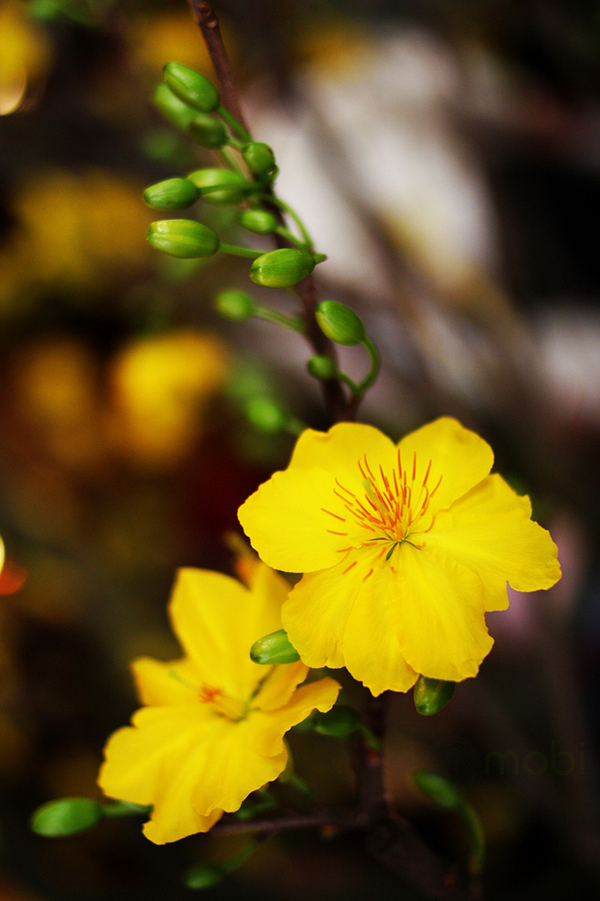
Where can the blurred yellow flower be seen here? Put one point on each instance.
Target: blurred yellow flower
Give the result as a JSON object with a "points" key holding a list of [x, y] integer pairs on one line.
{"points": [[24, 55], [211, 731], [161, 385], [404, 549]]}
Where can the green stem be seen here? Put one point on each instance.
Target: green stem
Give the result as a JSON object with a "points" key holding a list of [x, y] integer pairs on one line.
{"points": [[240, 251], [374, 369], [296, 323], [287, 234], [126, 809], [241, 857], [230, 160], [233, 123], [476, 837], [276, 201]]}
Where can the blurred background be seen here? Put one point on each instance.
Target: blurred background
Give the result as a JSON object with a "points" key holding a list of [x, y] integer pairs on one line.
{"points": [[447, 159]]}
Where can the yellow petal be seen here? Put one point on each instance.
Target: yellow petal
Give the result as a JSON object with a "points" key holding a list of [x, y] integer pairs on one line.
{"points": [[371, 650], [267, 728], [341, 448], [161, 684], [489, 530], [315, 613], [458, 455], [286, 524], [280, 685], [217, 620], [436, 609]]}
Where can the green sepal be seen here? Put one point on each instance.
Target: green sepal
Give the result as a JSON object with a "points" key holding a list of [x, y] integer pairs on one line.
{"points": [[66, 816], [191, 87], [234, 305], [282, 268], [259, 158], [220, 186], [339, 323], [431, 695], [208, 131], [172, 108], [183, 238], [172, 194], [260, 222], [274, 648]]}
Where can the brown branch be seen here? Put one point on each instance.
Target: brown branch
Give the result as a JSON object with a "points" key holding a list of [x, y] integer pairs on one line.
{"points": [[211, 32]]}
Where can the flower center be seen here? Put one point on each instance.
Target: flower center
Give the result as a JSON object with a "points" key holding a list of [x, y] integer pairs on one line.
{"points": [[224, 705], [393, 509]]}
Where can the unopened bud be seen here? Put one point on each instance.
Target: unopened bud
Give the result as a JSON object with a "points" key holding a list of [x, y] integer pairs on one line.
{"points": [[234, 305], [191, 87], [172, 194], [204, 875], [259, 158], [207, 130], [220, 186], [265, 414], [281, 268], [322, 367], [430, 695], [443, 792], [183, 238], [66, 816], [172, 108], [260, 222], [340, 721], [339, 323], [274, 648]]}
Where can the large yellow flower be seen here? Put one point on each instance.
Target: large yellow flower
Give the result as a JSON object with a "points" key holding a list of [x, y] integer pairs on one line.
{"points": [[404, 548], [213, 725]]}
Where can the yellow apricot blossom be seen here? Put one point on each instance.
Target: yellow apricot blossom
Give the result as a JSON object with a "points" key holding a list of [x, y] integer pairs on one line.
{"points": [[211, 731], [404, 548]]}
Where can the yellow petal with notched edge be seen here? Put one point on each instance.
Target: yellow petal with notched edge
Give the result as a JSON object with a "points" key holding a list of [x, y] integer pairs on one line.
{"points": [[341, 448], [489, 530], [266, 730], [280, 685], [370, 647], [217, 620], [315, 613], [458, 455], [286, 524], [436, 609], [162, 684]]}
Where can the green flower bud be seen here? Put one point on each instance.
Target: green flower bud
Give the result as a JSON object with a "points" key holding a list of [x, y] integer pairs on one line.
{"points": [[208, 131], [172, 194], [234, 305], [260, 222], [322, 367], [430, 695], [266, 415], [220, 186], [191, 87], [339, 323], [340, 721], [183, 238], [172, 108], [281, 268], [259, 158], [274, 648], [66, 816], [204, 875], [439, 789]]}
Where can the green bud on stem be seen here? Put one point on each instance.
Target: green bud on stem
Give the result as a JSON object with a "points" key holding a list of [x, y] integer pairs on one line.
{"points": [[431, 695], [322, 367], [220, 186], [172, 108], [208, 131], [339, 323], [183, 238], [259, 158], [66, 816], [234, 305], [191, 87], [172, 194], [260, 222], [281, 268], [274, 648]]}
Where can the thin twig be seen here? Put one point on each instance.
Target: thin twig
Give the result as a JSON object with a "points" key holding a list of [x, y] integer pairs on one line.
{"points": [[211, 32]]}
